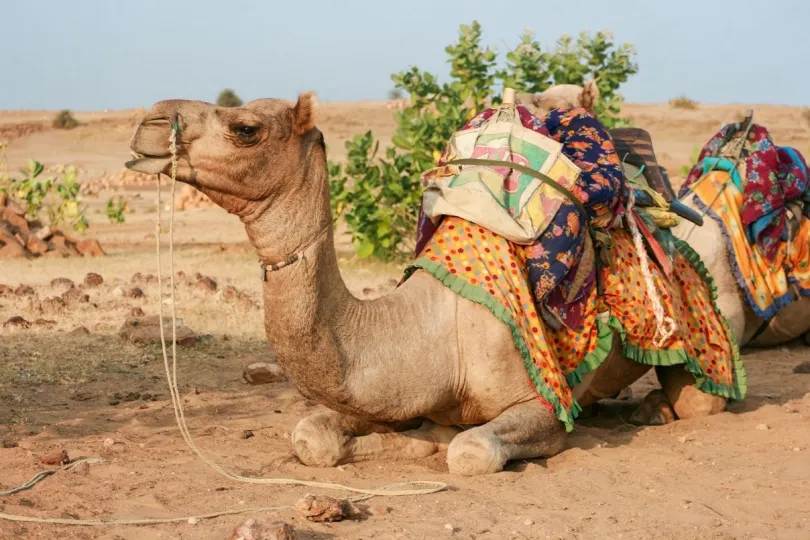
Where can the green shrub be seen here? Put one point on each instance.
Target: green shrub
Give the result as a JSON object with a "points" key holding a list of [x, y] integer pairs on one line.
{"points": [[64, 119], [683, 102], [686, 169], [228, 98], [115, 209], [57, 197], [378, 195]]}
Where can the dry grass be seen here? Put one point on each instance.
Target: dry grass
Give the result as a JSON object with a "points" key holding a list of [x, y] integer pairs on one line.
{"points": [[683, 102]]}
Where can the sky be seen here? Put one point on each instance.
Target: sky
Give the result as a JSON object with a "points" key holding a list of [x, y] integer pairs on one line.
{"points": [[97, 54]]}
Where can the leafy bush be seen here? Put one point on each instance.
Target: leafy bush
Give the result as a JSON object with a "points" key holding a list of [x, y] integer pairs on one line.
{"points": [[683, 102], [115, 209], [378, 196], [228, 98], [57, 197], [64, 119], [395, 93]]}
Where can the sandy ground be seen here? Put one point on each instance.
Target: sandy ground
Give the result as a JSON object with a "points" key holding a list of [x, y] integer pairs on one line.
{"points": [[741, 474]]}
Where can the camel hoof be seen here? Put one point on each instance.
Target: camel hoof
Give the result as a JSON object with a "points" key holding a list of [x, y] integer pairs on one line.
{"points": [[654, 410], [314, 444], [474, 457]]}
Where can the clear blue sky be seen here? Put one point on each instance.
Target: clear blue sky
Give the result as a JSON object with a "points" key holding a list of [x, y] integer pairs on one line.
{"points": [[95, 54]]}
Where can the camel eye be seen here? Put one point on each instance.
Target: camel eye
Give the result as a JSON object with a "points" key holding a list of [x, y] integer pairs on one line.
{"points": [[245, 132]]}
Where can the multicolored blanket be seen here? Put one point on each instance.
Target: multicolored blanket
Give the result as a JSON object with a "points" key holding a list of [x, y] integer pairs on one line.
{"points": [[553, 260], [766, 281], [770, 177], [486, 269]]}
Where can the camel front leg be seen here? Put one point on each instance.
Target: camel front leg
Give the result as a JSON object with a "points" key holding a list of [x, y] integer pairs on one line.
{"points": [[525, 431], [330, 438]]}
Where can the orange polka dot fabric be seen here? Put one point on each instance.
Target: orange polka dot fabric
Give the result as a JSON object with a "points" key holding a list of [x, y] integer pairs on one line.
{"points": [[491, 271], [702, 341]]}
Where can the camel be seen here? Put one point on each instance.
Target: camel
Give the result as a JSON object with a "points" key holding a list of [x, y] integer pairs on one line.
{"points": [[400, 374]]}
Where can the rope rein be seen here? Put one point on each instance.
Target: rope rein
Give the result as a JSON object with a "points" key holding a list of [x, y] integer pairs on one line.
{"points": [[665, 326]]}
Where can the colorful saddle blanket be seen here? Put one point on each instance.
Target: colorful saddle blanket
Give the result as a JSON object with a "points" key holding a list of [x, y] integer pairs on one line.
{"points": [[765, 280], [486, 269], [768, 177], [554, 259]]}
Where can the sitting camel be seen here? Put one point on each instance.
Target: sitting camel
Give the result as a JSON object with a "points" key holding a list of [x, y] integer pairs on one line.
{"points": [[399, 373]]}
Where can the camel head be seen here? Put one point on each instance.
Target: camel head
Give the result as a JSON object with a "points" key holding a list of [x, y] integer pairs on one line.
{"points": [[241, 157], [561, 95]]}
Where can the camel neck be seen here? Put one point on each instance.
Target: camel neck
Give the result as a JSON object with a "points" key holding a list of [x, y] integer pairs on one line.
{"points": [[304, 301]]}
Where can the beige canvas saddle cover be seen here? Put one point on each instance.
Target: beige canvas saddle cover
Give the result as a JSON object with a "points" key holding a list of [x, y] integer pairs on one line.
{"points": [[501, 176]]}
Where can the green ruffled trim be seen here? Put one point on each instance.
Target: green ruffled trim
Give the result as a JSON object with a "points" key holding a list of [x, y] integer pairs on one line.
{"points": [[594, 359], [739, 375], [480, 296]]}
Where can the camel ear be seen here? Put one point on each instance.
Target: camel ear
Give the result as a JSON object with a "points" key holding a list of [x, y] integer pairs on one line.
{"points": [[589, 95], [304, 113]]}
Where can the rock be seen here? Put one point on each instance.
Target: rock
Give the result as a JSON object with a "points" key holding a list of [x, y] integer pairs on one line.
{"points": [[93, 280], [36, 245], [134, 292], [57, 457], [80, 331], [75, 296], [804, 367], [62, 282], [206, 284], [320, 508], [24, 290], [44, 233], [146, 330], [252, 529], [12, 249], [6, 291], [763, 427], [5, 443], [90, 247], [263, 373], [247, 434], [17, 322], [136, 312], [118, 292], [45, 322], [52, 304], [528, 522], [110, 446]]}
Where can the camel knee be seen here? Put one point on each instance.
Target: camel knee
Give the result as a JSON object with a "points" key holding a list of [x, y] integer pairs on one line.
{"points": [[474, 453], [317, 442], [687, 400], [694, 403]]}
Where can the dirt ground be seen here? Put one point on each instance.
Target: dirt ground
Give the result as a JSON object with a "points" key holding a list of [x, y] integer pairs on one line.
{"points": [[743, 474]]}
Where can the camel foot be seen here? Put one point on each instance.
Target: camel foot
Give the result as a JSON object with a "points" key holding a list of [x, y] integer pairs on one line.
{"points": [[525, 431], [330, 438], [654, 410], [686, 399]]}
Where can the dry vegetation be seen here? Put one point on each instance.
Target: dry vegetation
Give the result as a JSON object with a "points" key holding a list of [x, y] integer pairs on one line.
{"points": [[741, 474]]}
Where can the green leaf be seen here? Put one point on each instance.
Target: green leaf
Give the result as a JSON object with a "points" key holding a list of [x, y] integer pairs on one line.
{"points": [[365, 249]]}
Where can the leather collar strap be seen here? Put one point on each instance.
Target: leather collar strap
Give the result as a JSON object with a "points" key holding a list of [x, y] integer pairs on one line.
{"points": [[291, 259]]}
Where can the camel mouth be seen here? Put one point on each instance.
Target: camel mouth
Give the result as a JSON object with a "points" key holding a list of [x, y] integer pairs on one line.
{"points": [[150, 146], [149, 164]]}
